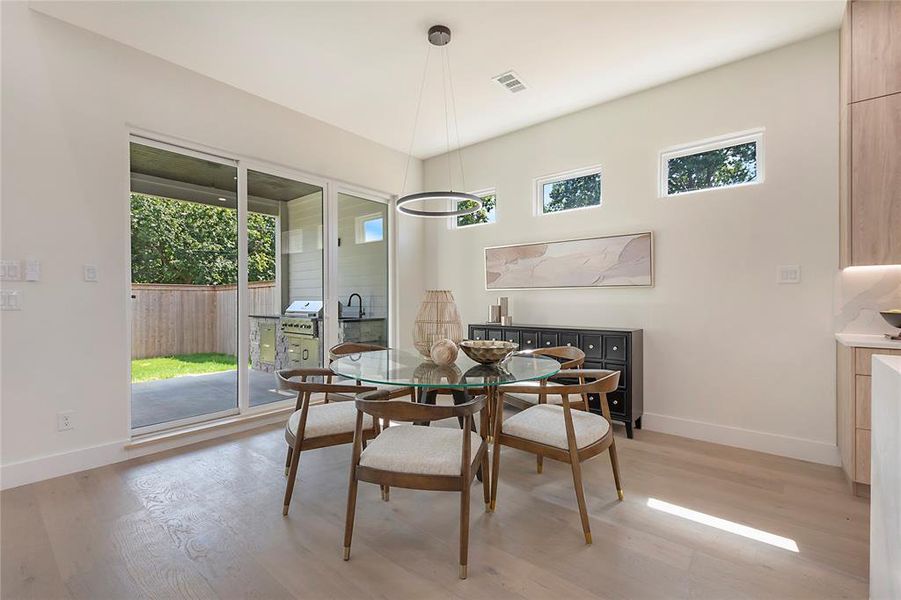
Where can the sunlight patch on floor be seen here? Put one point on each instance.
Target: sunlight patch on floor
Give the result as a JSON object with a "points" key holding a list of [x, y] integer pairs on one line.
{"points": [[724, 525]]}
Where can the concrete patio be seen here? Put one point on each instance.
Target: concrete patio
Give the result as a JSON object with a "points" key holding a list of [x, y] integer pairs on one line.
{"points": [[154, 402]]}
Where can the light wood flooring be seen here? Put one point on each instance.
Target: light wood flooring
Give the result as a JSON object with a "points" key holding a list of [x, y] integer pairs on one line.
{"points": [[206, 522]]}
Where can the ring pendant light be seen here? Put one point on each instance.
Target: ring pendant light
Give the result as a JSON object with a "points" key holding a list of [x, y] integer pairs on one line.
{"points": [[439, 36]]}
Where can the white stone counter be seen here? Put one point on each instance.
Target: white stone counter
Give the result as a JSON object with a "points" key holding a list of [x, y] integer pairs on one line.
{"points": [[863, 340], [885, 473]]}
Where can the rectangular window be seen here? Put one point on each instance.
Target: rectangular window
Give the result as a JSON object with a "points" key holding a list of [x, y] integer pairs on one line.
{"points": [[487, 214], [568, 191], [370, 228], [726, 161]]}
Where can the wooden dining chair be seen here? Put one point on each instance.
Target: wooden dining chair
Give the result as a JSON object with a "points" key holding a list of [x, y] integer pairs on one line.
{"points": [[561, 433], [545, 390], [419, 457], [313, 426]]}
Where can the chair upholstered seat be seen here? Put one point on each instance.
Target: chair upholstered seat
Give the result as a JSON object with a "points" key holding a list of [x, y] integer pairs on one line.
{"points": [[328, 419], [418, 450], [545, 424], [549, 398]]}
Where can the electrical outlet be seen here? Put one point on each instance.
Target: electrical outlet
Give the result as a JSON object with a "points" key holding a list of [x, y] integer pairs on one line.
{"points": [[65, 420], [32, 269], [90, 272], [788, 274]]}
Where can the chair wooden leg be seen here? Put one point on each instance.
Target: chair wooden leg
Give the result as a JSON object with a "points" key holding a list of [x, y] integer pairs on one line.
{"points": [[495, 469], [614, 462], [288, 460], [464, 528], [580, 496], [539, 462], [351, 511], [292, 476], [486, 482]]}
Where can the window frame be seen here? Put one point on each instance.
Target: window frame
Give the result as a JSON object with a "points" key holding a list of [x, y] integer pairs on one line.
{"points": [[360, 227], [480, 193], [706, 145], [540, 182]]}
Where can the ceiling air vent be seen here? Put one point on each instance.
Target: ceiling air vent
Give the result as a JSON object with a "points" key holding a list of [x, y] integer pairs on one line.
{"points": [[510, 81]]}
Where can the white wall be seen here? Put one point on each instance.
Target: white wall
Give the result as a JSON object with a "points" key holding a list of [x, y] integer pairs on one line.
{"points": [[730, 356], [68, 97]]}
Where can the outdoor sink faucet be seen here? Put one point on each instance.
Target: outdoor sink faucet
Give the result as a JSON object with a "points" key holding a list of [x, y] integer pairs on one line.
{"points": [[360, 299]]}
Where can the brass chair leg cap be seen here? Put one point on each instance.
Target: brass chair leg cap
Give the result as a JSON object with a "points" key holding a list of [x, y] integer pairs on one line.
{"points": [[620, 494], [462, 571], [540, 469], [588, 538], [346, 552], [285, 511], [287, 470], [491, 506]]}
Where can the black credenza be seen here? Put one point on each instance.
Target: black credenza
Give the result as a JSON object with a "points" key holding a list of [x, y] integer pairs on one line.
{"points": [[614, 349]]}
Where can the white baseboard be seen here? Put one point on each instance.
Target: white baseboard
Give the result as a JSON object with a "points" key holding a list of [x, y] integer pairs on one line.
{"points": [[55, 465], [771, 443]]}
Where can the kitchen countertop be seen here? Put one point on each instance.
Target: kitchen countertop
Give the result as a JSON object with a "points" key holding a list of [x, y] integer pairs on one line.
{"points": [[342, 319], [862, 340]]}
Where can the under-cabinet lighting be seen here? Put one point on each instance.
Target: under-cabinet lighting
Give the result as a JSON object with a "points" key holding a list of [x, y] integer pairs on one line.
{"points": [[737, 528]]}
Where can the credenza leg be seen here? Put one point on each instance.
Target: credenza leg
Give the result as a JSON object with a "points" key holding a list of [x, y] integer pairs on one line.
{"points": [[638, 423], [629, 430]]}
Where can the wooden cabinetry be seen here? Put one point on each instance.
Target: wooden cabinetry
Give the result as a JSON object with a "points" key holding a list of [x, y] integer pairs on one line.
{"points": [[614, 349], [853, 412], [870, 132]]}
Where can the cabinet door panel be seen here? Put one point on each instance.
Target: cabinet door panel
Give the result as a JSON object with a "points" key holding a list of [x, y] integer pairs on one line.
{"points": [[511, 335], [478, 334], [547, 339], [876, 181], [569, 339], [495, 335], [862, 456], [862, 402], [591, 345], [528, 340], [875, 49]]}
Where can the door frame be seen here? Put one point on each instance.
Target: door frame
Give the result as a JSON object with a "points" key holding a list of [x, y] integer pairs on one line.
{"points": [[330, 188]]}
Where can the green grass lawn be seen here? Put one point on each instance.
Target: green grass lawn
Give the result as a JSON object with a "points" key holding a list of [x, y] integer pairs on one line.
{"points": [[166, 367]]}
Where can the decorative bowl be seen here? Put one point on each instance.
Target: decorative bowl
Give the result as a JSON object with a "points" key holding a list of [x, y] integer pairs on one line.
{"points": [[488, 352], [892, 317]]}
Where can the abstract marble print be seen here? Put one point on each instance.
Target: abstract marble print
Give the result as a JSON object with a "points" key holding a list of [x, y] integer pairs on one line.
{"points": [[619, 260]]}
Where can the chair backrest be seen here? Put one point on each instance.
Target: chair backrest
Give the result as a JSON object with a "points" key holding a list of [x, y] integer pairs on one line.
{"points": [[346, 348], [570, 357], [591, 381], [287, 380], [376, 404]]}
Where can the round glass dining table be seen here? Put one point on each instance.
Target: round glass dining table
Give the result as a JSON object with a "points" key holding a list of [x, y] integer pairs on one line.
{"points": [[409, 369]]}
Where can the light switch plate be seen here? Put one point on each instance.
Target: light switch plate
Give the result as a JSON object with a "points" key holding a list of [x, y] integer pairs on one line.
{"points": [[788, 274], [32, 269], [10, 270], [90, 272], [9, 300]]}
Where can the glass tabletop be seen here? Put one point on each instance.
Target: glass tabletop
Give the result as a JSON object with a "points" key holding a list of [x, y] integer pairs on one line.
{"points": [[410, 369]]}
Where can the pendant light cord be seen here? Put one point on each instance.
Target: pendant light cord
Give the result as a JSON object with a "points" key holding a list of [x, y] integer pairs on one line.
{"points": [[450, 180], [450, 78], [425, 71]]}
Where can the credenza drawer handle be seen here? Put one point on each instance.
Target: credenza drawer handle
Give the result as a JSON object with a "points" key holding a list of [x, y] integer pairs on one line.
{"points": [[615, 348], [590, 346], [568, 344], [528, 341], [547, 343], [616, 402]]}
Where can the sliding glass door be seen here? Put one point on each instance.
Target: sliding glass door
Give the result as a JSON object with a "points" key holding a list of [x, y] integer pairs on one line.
{"points": [[285, 252], [240, 269], [184, 292], [362, 270]]}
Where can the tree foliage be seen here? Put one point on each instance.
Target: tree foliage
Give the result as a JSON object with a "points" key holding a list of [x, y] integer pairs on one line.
{"points": [[573, 193], [483, 215], [715, 168], [174, 241]]}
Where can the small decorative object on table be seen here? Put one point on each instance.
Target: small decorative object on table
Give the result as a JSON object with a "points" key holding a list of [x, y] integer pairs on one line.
{"points": [[488, 352], [506, 320], [494, 313], [438, 318], [893, 318], [444, 352]]}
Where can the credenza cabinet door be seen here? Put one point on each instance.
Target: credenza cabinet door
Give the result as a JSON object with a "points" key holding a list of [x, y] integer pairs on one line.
{"points": [[875, 49], [876, 181]]}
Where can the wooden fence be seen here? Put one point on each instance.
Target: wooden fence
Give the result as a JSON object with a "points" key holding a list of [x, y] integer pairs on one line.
{"points": [[189, 319]]}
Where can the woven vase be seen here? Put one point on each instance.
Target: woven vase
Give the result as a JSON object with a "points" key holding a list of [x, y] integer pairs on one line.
{"points": [[438, 318]]}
